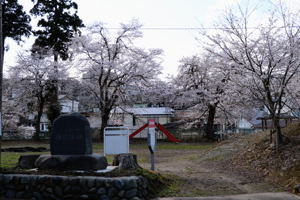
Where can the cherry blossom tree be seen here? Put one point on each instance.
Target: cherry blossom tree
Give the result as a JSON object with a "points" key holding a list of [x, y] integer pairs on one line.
{"points": [[111, 62], [267, 54], [202, 84], [31, 76], [156, 92], [11, 110]]}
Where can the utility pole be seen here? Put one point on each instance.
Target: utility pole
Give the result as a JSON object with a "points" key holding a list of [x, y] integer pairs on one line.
{"points": [[1, 74]]}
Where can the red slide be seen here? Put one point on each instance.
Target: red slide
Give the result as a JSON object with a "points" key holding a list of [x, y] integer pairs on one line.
{"points": [[138, 131], [167, 133], [161, 128]]}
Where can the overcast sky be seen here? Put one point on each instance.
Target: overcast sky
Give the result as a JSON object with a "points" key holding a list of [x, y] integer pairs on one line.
{"points": [[152, 14]]}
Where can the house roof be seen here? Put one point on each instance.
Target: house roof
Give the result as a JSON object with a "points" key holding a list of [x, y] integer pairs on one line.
{"points": [[260, 115], [146, 111], [281, 116], [255, 119], [63, 97]]}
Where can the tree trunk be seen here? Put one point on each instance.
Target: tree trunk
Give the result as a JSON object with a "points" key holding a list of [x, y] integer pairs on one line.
{"points": [[126, 161], [53, 110], [36, 135], [37, 127], [104, 122], [55, 58], [209, 129], [280, 138]]}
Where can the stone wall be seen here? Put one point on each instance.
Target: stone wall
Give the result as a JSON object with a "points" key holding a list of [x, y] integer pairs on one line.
{"points": [[72, 187]]}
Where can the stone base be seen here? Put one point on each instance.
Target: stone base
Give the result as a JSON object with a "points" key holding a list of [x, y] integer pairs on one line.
{"points": [[27, 161], [90, 162], [24, 186]]}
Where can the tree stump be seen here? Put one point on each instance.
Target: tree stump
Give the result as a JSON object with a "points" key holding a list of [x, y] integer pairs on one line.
{"points": [[126, 161]]}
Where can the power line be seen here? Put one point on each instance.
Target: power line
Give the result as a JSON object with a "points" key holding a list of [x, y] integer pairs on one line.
{"points": [[166, 28], [193, 28], [201, 28]]}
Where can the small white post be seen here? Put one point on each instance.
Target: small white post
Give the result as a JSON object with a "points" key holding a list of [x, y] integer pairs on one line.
{"points": [[152, 142]]}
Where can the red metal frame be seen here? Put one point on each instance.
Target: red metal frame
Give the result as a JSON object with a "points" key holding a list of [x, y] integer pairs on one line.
{"points": [[161, 128]]}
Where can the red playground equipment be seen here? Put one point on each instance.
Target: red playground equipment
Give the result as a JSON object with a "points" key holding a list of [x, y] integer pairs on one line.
{"points": [[161, 128]]}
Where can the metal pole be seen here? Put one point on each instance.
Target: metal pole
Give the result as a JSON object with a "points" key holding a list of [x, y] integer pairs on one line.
{"points": [[1, 73], [152, 161], [152, 158], [152, 141]]}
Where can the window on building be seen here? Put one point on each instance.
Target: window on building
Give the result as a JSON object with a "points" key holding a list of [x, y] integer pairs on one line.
{"points": [[44, 127]]}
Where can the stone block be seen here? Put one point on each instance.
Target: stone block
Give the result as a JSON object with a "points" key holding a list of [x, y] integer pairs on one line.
{"points": [[27, 161], [71, 162]]}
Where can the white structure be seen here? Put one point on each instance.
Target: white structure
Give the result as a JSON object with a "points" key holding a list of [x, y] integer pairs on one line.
{"points": [[68, 105], [140, 116], [44, 124], [116, 140], [244, 124]]}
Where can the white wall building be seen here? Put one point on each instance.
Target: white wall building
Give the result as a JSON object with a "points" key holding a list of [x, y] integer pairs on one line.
{"points": [[134, 118], [68, 105]]}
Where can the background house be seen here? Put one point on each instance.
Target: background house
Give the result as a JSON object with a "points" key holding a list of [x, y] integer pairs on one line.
{"points": [[94, 118], [244, 126], [135, 117], [68, 105]]}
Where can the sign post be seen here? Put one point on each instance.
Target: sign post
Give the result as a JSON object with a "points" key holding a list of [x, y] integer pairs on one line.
{"points": [[152, 142]]}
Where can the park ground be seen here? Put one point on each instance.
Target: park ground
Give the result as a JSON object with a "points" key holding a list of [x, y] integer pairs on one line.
{"points": [[201, 169]]}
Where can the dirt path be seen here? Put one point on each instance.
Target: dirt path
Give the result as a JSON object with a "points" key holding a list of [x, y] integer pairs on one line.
{"points": [[203, 172]]}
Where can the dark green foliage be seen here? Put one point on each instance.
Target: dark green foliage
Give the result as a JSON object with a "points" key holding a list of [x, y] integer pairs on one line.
{"points": [[60, 23], [53, 110], [16, 22], [52, 113]]}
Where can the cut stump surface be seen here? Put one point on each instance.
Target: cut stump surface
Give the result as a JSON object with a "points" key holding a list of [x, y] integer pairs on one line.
{"points": [[126, 161]]}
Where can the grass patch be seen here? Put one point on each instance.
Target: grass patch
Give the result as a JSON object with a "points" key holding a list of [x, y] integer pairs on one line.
{"points": [[205, 192], [157, 183], [172, 187], [292, 129], [97, 147], [10, 159], [215, 158], [189, 169], [183, 146], [178, 187], [193, 157]]}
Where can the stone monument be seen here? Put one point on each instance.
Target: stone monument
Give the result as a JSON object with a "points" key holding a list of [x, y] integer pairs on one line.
{"points": [[71, 146], [71, 135]]}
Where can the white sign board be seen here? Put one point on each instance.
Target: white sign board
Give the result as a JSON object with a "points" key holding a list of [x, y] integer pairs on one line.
{"points": [[116, 140]]}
